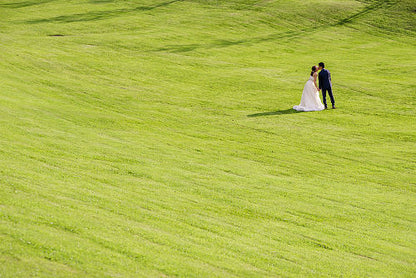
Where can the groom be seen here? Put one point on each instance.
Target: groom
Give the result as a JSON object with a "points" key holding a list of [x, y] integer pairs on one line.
{"points": [[325, 84]]}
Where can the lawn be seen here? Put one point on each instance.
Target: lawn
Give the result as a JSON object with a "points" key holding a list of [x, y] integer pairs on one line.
{"points": [[156, 139]]}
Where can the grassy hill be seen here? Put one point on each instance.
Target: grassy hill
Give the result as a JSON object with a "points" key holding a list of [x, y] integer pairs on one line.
{"points": [[156, 139]]}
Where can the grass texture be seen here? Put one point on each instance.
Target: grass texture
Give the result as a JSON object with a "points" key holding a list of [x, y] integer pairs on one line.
{"points": [[156, 139]]}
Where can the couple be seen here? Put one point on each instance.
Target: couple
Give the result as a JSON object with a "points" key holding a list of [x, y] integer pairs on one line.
{"points": [[310, 98]]}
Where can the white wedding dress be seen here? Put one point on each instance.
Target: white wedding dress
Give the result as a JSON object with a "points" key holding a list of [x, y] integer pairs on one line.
{"points": [[310, 100]]}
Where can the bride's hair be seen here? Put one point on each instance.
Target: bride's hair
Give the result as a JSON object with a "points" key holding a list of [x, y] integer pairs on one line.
{"points": [[313, 70]]}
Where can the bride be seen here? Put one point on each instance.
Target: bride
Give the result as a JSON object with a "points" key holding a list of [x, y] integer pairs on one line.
{"points": [[310, 100]]}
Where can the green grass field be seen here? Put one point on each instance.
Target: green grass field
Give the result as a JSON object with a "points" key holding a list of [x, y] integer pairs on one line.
{"points": [[156, 139]]}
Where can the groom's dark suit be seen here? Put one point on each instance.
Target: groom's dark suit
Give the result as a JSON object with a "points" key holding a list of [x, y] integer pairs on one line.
{"points": [[326, 85]]}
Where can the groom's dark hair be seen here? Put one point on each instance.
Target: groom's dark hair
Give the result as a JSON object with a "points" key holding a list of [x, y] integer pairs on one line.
{"points": [[321, 64]]}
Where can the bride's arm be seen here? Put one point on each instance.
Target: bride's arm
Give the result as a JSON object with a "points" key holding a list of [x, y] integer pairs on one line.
{"points": [[315, 75]]}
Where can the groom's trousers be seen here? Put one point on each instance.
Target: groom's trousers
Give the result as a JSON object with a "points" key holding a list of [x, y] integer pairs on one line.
{"points": [[331, 96]]}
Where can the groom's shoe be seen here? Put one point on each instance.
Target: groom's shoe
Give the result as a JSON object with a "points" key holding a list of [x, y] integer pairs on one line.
{"points": [[333, 107], [326, 107]]}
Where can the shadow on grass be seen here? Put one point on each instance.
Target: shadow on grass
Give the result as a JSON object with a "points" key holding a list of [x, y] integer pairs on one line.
{"points": [[274, 113], [101, 1], [24, 4], [226, 43], [368, 9], [98, 15], [283, 35]]}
